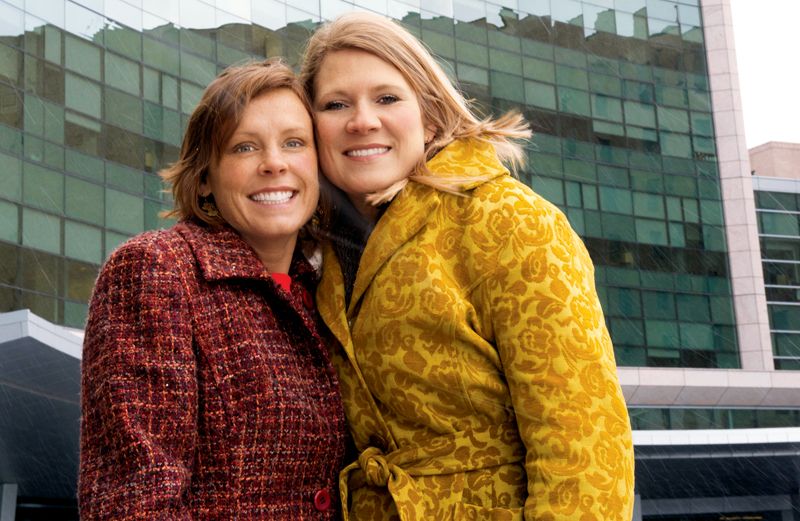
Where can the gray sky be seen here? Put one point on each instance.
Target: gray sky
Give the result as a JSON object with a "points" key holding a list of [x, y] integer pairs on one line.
{"points": [[767, 34]]}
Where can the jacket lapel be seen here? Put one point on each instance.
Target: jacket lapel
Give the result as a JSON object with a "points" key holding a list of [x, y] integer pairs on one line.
{"points": [[330, 302], [221, 253], [406, 215]]}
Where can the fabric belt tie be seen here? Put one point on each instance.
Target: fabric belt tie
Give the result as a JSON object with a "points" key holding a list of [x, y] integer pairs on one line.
{"points": [[462, 451]]}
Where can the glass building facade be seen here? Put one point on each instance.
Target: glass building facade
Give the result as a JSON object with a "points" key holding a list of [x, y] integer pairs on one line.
{"points": [[779, 233], [95, 95]]}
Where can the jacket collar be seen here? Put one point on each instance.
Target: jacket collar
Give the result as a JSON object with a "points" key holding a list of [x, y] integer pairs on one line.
{"points": [[472, 160], [475, 161], [221, 253]]}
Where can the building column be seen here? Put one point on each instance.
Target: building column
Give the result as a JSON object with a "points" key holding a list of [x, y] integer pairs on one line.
{"points": [[637, 508], [8, 501], [736, 184]]}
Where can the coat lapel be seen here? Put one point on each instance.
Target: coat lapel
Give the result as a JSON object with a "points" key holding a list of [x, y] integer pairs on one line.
{"points": [[330, 299], [406, 215], [221, 253]]}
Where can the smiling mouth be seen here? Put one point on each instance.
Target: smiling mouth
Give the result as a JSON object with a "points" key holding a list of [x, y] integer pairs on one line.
{"points": [[366, 152], [273, 197]]}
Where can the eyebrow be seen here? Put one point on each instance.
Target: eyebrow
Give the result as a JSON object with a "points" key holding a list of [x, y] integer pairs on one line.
{"points": [[291, 130], [382, 86]]}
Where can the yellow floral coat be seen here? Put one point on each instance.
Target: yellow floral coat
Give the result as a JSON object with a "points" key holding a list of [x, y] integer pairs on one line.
{"points": [[477, 373]]}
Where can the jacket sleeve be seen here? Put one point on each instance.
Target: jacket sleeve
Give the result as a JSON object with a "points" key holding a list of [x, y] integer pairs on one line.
{"points": [[139, 391], [558, 361]]}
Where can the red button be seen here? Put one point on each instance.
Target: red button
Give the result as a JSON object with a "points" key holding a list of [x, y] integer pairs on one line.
{"points": [[322, 500]]}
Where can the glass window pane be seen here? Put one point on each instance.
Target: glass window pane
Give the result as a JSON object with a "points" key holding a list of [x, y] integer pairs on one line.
{"points": [[662, 333], [618, 227], [9, 222], [160, 55], [124, 40], [41, 231], [648, 205], [697, 336], [625, 331], [537, 69], [470, 74], [11, 177], [507, 86], [673, 119], [777, 201], [574, 101], [615, 200], [11, 107], [651, 232], [123, 110], [83, 22], [83, 242], [472, 53], [197, 69], [124, 212], [43, 188], [505, 61], [550, 189], [640, 114], [82, 95], [779, 223], [10, 64], [603, 84], [571, 77], [82, 57], [540, 95], [122, 73], [84, 201], [605, 107]]}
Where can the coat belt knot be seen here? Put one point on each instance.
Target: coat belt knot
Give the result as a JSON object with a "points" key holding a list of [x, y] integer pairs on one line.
{"points": [[374, 466]]}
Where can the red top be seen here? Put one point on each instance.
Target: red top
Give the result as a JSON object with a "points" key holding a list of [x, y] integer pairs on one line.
{"points": [[283, 280]]}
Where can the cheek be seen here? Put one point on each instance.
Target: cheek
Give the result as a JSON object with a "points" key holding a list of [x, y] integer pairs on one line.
{"points": [[327, 130]]}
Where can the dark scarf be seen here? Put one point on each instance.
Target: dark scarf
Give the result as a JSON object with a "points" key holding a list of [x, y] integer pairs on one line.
{"points": [[348, 232]]}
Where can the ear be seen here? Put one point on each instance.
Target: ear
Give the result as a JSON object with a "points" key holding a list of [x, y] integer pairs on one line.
{"points": [[205, 190]]}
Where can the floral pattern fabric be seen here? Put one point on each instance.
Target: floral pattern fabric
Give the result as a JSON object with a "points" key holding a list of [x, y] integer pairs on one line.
{"points": [[476, 369]]}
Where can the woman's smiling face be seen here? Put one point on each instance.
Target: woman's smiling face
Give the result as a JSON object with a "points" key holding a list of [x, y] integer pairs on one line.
{"points": [[265, 181], [370, 129]]}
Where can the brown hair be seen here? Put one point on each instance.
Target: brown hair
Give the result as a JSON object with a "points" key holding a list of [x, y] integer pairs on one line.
{"points": [[443, 106], [213, 122]]}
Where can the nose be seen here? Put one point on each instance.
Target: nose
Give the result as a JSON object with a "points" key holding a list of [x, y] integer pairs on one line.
{"points": [[272, 161], [363, 119]]}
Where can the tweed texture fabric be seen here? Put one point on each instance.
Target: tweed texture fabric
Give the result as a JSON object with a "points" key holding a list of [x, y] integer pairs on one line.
{"points": [[208, 391], [477, 373]]}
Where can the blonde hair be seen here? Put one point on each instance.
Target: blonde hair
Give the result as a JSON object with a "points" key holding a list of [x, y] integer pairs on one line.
{"points": [[443, 107], [213, 122]]}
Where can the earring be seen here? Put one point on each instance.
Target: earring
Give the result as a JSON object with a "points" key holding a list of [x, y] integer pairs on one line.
{"points": [[209, 208]]}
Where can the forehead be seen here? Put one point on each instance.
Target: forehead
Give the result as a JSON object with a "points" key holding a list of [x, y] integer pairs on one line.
{"points": [[280, 105], [351, 66]]}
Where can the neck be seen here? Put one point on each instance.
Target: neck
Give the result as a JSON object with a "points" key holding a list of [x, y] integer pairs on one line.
{"points": [[276, 254], [367, 210]]}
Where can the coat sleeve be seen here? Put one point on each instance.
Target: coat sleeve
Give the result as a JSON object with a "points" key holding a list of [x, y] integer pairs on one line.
{"points": [[558, 362], [139, 391]]}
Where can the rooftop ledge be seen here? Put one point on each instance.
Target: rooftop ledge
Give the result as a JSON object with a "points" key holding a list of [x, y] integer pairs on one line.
{"points": [[676, 387]]}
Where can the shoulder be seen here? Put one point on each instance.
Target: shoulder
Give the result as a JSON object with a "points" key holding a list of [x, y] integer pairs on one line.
{"points": [[514, 221], [506, 201], [150, 254]]}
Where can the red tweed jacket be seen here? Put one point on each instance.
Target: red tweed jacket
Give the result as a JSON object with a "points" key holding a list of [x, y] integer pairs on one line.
{"points": [[207, 390]]}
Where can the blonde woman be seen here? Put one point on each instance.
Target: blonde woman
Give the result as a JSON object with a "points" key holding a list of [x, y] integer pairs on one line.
{"points": [[478, 377]]}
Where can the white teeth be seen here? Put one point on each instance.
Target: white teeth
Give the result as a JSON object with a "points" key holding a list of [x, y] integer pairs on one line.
{"points": [[367, 151], [272, 197]]}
